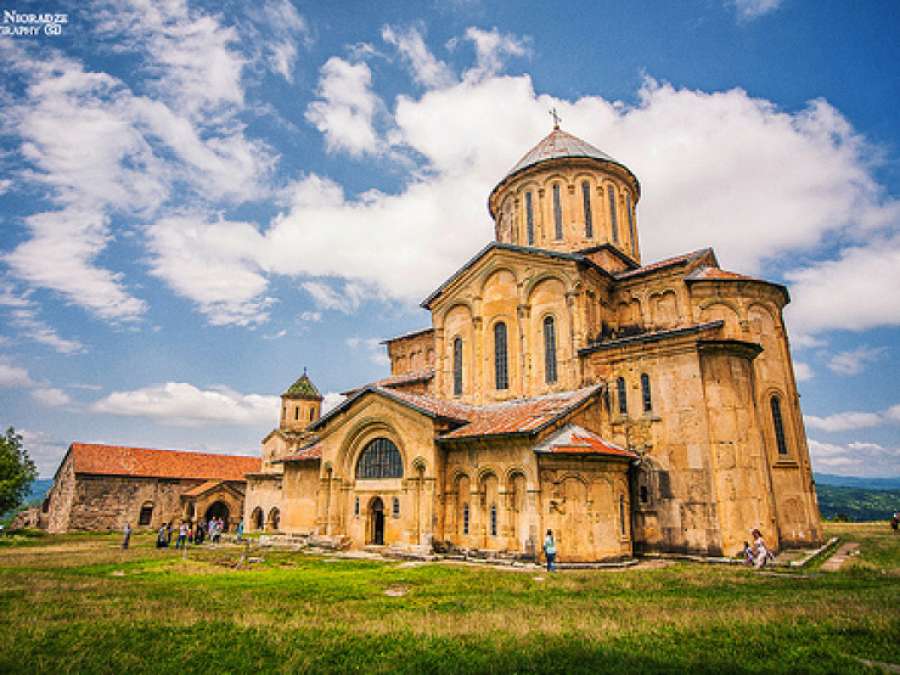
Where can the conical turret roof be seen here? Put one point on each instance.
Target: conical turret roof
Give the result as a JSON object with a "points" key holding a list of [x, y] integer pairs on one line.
{"points": [[556, 144], [303, 388]]}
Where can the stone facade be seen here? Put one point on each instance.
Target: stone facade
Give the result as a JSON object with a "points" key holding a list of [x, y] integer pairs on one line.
{"points": [[100, 487], [562, 385]]}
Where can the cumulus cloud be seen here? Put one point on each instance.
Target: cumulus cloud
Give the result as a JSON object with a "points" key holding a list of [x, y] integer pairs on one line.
{"points": [[183, 404], [853, 362], [23, 315], [346, 109], [50, 396], [854, 459], [846, 421], [802, 371], [347, 300], [286, 28], [426, 69], [331, 400], [492, 50], [45, 450]]}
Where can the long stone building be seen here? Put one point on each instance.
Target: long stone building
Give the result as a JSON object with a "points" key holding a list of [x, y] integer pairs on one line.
{"points": [[562, 384], [101, 487]]}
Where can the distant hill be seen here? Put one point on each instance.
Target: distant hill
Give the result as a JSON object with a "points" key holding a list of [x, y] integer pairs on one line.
{"points": [[856, 504], [856, 482], [39, 489]]}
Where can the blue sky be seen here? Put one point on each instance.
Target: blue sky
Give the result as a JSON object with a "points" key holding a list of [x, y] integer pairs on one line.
{"points": [[200, 199]]}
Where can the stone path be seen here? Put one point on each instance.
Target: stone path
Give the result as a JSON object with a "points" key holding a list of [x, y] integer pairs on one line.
{"points": [[833, 564]]}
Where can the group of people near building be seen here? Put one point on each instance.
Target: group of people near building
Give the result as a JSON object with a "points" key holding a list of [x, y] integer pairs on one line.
{"points": [[187, 533]]}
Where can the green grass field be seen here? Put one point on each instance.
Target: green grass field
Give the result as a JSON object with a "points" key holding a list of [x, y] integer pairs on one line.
{"points": [[77, 603]]}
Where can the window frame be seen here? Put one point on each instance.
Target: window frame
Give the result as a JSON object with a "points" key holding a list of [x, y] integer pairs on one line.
{"points": [[457, 366], [646, 394], [529, 218], [501, 356], [551, 375], [622, 396], [781, 444], [613, 213], [493, 520], [630, 208], [588, 214], [395, 507], [557, 212], [466, 518], [380, 459]]}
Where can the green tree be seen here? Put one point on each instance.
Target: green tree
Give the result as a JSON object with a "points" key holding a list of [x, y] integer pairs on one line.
{"points": [[17, 471]]}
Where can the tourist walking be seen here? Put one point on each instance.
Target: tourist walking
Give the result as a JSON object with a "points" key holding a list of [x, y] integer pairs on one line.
{"points": [[126, 536], [550, 551], [181, 542]]}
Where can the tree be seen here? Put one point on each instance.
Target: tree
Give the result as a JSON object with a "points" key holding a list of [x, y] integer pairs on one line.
{"points": [[17, 471]]}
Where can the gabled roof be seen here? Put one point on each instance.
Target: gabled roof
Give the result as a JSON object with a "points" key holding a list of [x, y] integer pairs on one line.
{"points": [[209, 486], [575, 440], [303, 388], [716, 274], [118, 460], [521, 416], [528, 250], [410, 377], [683, 259]]}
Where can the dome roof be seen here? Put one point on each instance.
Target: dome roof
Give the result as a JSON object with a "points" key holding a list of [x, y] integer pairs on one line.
{"points": [[559, 144]]}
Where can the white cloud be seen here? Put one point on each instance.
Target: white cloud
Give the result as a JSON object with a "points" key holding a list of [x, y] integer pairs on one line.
{"points": [[371, 348], [50, 396], [183, 404], [492, 49], [802, 371], [347, 107], [426, 69], [286, 28], [45, 451], [751, 9], [331, 400], [854, 362], [848, 292], [311, 317], [854, 459], [276, 335], [24, 317], [12, 376], [5, 185], [347, 300], [213, 264], [845, 421]]}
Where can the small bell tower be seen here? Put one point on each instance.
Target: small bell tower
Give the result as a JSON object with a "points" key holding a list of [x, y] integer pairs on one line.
{"points": [[301, 405]]}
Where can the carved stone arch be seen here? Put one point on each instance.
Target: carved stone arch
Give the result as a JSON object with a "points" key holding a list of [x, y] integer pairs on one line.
{"points": [[362, 432], [718, 300], [511, 473], [764, 307], [549, 179], [564, 476], [486, 472], [528, 184], [787, 421], [496, 268], [533, 282], [732, 313], [465, 304]]}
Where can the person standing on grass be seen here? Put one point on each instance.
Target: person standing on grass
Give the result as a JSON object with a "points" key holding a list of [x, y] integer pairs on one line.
{"points": [[550, 551], [161, 537], [181, 542], [240, 530], [895, 522], [126, 536]]}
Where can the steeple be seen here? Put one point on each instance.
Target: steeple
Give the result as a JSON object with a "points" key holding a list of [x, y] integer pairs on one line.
{"points": [[301, 405]]}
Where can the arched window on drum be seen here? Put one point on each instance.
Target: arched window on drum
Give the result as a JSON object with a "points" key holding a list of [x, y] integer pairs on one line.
{"points": [[457, 367], [549, 350], [379, 459]]}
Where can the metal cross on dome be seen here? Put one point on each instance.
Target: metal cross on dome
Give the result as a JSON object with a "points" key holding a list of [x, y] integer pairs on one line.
{"points": [[556, 118]]}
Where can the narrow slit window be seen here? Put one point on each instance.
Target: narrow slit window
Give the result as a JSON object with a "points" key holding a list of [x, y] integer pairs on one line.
{"points": [[588, 217], [622, 396], [356, 507], [395, 507], [465, 519], [778, 423], [613, 215], [529, 218], [501, 367], [493, 520], [622, 515], [297, 413], [631, 227], [557, 212], [645, 391], [312, 414], [549, 350], [457, 367]]}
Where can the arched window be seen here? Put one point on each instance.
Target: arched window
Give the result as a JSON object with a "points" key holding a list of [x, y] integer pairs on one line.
{"points": [[529, 218], [557, 212], [620, 394], [380, 459], [645, 392], [457, 367], [622, 515], [778, 423], [465, 519], [613, 216], [297, 413], [395, 507], [501, 369], [645, 495], [493, 520], [256, 519], [312, 414], [275, 519], [588, 218], [549, 350], [146, 514], [631, 223]]}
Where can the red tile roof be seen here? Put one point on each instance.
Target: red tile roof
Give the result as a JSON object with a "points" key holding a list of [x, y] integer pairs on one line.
{"points": [[668, 262], [522, 415], [575, 440], [716, 273], [118, 460], [308, 454], [396, 380]]}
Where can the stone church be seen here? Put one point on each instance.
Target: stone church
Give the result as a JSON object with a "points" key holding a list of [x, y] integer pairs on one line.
{"points": [[562, 384]]}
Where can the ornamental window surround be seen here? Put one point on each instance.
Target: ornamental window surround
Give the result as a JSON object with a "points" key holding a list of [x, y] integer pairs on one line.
{"points": [[379, 459]]}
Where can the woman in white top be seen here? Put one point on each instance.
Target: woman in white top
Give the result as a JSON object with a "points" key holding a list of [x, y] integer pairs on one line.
{"points": [[760, 552]]}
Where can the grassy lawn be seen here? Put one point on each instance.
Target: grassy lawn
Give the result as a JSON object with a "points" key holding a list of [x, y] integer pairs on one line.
{"points": [[77, 603]]}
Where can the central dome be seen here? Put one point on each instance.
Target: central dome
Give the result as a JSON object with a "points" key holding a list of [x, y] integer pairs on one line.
{"points": [[558, 143]]}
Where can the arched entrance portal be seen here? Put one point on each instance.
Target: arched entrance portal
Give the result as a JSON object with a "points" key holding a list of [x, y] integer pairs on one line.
{"points": [[218, 510], [376, 522]]}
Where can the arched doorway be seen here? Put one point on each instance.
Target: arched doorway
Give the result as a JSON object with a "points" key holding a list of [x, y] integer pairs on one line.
{"points": [[376, 522], [275, 519], [218, 510], [257, 518]]}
